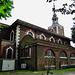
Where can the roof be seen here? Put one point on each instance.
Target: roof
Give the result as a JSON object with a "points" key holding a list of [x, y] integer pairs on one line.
{"points": [[20, 22], [4, 25]]}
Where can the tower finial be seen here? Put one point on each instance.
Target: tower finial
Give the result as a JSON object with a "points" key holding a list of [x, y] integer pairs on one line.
{"points": [[53, 8]]}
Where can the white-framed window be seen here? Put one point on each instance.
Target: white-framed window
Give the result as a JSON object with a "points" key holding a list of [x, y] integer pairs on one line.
{"points": [[52, 39], [72, 55], [42, 36], [9, 53], [30, 32], [63, 55], [59, 41], [12, 36], [27, 51]]}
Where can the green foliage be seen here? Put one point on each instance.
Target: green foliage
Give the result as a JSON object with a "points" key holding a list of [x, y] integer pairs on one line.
{"points": [[0, 27], [73, 33], [5, 8], [64, 9]]}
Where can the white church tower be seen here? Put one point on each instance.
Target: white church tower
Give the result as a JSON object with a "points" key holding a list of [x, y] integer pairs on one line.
{"points": [[56, 27]]}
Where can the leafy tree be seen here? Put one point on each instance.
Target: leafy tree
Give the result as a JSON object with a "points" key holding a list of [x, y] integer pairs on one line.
{"points": [[66, 9], [0, 27], [5, 8], [73, 31]]}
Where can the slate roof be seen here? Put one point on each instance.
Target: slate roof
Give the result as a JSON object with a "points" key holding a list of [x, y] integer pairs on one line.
{"points": [[4, 25], [20, 22]]}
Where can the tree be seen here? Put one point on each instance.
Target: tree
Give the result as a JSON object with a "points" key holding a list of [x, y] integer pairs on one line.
{"points": [[5, 8], [66, 9], [73, 31]]}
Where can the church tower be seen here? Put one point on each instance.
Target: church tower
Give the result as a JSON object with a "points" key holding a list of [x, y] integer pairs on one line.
{"points": [[56, 27]]}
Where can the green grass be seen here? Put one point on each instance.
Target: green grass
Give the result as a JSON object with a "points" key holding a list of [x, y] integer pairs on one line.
{"points": [[33, 72]]}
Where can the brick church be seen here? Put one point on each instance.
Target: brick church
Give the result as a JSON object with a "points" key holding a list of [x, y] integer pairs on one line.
{"points": [[32, 46]]}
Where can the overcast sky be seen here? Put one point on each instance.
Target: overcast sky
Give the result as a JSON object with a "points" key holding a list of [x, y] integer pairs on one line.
{"points": [[39, 13]]}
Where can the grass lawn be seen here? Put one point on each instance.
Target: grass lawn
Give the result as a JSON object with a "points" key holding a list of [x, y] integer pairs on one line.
{"points": [[31, 72]]}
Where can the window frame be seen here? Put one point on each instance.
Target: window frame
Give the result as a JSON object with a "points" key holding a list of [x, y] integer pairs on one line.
{"points": [[43, 36], [52, 38], [13, 35], [51, 51], [26, 51], [7, 52], [71, 56], [60, 41], [62, 57]]}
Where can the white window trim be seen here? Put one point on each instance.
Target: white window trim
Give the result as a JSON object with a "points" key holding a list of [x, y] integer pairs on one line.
{"points": [[72, 64], [63, 57], [50, 66], [31, 32], [52, 38], [49, 57], [24, 57], [43, 35], [13, 35], [7, 52], [59, 40], [64, 65], [72, 57]]}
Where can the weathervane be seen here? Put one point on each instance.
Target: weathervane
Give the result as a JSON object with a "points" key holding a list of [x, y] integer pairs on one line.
{"points": [[53, 9]]}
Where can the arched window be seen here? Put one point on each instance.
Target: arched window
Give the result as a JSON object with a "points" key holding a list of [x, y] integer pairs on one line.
{"points": [[49, 52], [12, 36], [42, 36], [63, 54], [52, 39], [72, 55], [52, 30], [59, 41], [30, 32], [9, 53], [27, 51]]}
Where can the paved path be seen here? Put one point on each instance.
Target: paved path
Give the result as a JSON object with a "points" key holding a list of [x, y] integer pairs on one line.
{"points": [[66, 73]]}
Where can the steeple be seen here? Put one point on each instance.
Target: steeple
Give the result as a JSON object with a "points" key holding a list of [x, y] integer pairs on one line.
{"points": [[56, 27], [54, 18]]}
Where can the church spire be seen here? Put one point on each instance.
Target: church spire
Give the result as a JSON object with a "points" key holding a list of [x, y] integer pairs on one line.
{"points": [[54, 18]]}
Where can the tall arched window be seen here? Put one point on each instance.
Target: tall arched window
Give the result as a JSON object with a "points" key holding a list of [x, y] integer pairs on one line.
{"points": [[49, 52], [63, 54], [27, 51], [9, 53], [12, 36]]}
